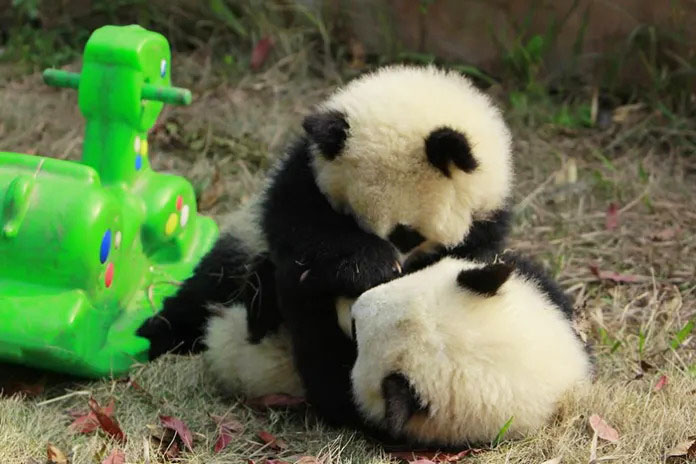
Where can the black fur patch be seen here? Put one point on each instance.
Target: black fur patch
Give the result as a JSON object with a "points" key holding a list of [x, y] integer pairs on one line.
{"points": [[401, 402], [445, 145], [405, 238], [485, 280], [328, 130]]}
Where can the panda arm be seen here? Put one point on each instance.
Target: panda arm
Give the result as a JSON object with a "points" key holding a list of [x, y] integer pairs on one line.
{"points": [[304, 231], [228, 272]]}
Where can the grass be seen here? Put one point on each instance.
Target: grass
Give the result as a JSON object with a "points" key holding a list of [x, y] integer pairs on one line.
{"points": [[568, 175]]}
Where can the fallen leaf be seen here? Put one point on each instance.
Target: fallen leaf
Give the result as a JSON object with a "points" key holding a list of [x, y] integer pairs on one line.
{"points": [[614, 276], [167, 443], [556, 460], [106, 422], [612, 220], [227, 428], [116, 457], [685, 449], [88, 422], [277, 400], [180, 428], [665, 234], [603, 430], [272, 441], [260, 53], [661, 383], [55, 455]]}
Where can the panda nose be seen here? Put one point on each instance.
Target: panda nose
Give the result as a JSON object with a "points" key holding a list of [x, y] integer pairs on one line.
{"points": [[405, 238]]}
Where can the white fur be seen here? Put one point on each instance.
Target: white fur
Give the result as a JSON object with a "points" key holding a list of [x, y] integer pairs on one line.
{"points": [[245, 224], [244, 368], [475, 360], [383, 177]]}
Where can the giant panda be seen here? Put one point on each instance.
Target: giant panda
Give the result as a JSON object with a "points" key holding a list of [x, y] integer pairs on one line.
{"points": [[447, 355], [400, 162]]}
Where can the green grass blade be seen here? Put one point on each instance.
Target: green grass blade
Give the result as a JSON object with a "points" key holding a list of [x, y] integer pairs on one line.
{"points": [[502, 432], [682, 334]]}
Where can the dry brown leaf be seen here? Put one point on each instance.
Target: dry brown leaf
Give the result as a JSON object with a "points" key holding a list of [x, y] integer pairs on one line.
{"points": [[665, 234], [685, 449], [116, 457], [260, 53], [271, 440], [106, 422], [276, 400], [55, 455], [603, 430], [180, 428]]}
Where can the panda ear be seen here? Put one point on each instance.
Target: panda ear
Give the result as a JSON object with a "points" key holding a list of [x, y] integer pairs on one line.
{"points": [[401, 402], [485, 280], [445, 145], [329, 130]]}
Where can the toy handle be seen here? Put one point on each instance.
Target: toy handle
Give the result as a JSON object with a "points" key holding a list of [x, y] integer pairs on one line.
{"points": [[171, 95]]}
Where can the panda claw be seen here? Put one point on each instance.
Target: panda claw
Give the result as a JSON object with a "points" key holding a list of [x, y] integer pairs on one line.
{"points": [[397, 267], [304, 275]]}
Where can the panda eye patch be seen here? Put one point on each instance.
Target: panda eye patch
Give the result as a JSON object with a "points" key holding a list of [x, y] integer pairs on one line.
{"points": [[405, 238]]}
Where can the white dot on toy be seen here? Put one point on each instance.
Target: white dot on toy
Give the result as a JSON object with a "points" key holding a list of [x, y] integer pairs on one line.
{"points": [[184, 215], [163, 68], [137, 144], [117, 240]]}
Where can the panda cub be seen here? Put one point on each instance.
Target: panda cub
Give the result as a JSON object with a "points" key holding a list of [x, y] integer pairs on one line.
{"points": [[400, 162], [447, 355]]}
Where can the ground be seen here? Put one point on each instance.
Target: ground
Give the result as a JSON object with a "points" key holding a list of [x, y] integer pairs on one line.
{"points": [[608, 211]]}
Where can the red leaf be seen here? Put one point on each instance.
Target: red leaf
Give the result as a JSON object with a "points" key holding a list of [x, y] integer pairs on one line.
{"points": [[661, 383], [276, 400], [227, 428], [614, 276], [108, 424], [116, 457], [272, 441], [612, 220], [180, 428], [603, 430], [88, 422], [260, 53]]}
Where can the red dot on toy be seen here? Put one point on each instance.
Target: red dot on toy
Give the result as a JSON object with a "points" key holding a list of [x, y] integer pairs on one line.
{"points": [[109, 275], [179, 202]]}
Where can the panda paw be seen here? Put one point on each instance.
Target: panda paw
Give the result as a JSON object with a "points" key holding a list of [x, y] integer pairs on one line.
{"points": [[158, 331], [350, 276]]}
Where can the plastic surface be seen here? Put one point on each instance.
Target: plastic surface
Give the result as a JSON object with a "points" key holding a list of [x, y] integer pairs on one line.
{"points": [[89, 250]]}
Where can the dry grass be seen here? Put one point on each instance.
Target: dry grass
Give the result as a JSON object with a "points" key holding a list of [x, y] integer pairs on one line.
{"points": [[565, 185]]}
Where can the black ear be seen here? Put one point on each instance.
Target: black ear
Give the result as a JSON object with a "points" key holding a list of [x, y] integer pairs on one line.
{"points": [[445, 145], [401, 402], [328, 130], [485, 280]]}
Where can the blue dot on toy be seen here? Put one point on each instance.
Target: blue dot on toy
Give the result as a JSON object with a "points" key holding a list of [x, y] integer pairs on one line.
{"points": [[163, 68], [138, 162], [105, 246]]}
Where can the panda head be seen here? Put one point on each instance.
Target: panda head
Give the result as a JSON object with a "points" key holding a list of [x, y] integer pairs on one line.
{"points": [[448, 354], [415, 154]]}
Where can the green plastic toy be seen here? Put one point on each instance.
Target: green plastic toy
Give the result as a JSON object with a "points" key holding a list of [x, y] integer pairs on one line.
{"points": [[89, 250]]}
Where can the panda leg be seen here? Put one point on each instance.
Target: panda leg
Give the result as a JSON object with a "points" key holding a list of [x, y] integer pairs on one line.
{"points": [[323, 354], [227, 273]]}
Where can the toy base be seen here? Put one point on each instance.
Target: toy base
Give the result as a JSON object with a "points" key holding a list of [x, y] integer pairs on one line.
{"points": [[51, 335]]}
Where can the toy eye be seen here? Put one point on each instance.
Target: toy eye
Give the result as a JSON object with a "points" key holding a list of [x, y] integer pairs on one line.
{"points": [[163, 68]]}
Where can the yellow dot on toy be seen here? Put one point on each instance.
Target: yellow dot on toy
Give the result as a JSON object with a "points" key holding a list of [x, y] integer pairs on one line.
{"points": [[171, 224], [143, 147]]}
